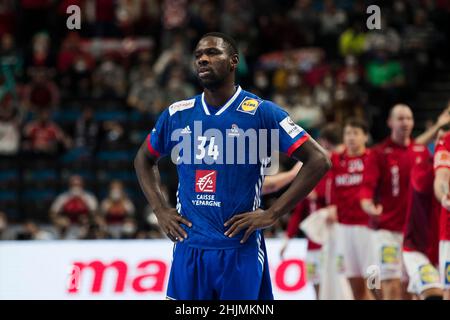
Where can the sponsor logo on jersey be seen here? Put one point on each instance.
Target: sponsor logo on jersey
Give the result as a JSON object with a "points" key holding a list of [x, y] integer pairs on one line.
{"points": [[186, 130], [428, 274], [205, 181], [442, 159], [390, 255], [290, 127], [234, 131], [181, 105], [249, 105]]}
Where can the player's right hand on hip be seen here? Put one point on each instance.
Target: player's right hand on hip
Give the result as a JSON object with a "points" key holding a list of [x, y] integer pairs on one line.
{"points": [[170, 222]]}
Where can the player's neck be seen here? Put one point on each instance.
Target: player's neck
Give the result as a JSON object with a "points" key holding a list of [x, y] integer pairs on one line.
{"points": [[217, 97], [401, 141], [356, 152]]}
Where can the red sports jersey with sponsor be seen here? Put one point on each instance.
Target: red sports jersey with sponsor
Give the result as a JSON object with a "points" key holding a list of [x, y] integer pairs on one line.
{"points": [[442, 160], [318, 199], [347, 178], [422, 217], [386, 180]]}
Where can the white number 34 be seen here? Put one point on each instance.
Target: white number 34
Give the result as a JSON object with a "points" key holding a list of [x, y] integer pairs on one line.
{"points": [[213, 149]]}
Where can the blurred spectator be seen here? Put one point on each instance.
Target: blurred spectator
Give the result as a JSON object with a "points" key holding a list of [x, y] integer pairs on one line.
{"points": [[305, 111], [109, 79], [86, 133], [9, 127], [386, 38], [7, 17], [117, 206], [353, 40], [41, 55], [75, 202], [129, 229], [142, 67], [305, 19], [96, 229], [177, 88], [41, 93], [31, 231], [64, 230], [43, 136], [3, 226], [332, 22], [10, 63], [145, 95], [176, 55], [113, 135], [75, 67], [383, 72]]}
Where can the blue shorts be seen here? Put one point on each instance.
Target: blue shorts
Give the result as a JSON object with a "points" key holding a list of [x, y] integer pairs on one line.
{"points": [[220, 274]]}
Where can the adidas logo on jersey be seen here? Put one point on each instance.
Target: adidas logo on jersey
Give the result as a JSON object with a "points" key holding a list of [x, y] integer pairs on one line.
{"points": [[186, 130]]}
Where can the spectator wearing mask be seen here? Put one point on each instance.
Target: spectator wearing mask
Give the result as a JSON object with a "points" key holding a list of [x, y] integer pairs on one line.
{"points": [[9, 127], [43, 136], [31, 231], [86, 133], [74, 203], [117, 206]]}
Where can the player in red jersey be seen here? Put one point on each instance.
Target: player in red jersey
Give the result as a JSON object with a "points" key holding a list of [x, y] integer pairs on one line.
{"points": [[421, 234], [384, 196], [330, 139], [346, 173], [442, 194]]}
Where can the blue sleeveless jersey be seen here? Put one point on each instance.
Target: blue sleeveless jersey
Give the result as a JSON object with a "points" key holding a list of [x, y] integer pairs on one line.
{"points": [[221, 154]]}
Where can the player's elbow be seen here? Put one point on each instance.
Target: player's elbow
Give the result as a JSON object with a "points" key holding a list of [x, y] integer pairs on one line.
{"points": [[323, 162]]}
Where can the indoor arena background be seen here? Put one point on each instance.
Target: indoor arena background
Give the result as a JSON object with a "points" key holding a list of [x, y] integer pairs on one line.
{"points": [[75, 105]]}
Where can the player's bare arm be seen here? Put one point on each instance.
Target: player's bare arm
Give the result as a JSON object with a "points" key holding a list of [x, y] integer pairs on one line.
{"points": [[148, 176], [315, 165], [280, 180], [443, 120]]}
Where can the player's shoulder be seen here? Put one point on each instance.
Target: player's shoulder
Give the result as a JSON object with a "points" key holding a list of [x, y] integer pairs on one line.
{"points": [[182, 105], [251, 103], [445, 140], [419, 148]]}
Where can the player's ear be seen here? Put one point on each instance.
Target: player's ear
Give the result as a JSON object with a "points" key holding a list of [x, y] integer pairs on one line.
{"points": [[234, 62]]}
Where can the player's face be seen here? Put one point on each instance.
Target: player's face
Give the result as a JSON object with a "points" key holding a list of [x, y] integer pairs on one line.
{"points": [[213, 63], [354, 138], [401, 121]]}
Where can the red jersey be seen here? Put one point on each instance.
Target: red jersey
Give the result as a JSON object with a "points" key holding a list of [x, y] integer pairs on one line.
{"points": [[422, 217], [386, 180], [347, 178], [442, 160], [43, 135], [318, 199]]}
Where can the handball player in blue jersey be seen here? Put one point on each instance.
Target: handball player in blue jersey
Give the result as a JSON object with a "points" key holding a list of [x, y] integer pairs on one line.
{"points": [[219, 250]]}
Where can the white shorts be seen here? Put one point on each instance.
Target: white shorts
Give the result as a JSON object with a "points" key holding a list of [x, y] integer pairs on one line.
{"points": [[353, 244], [386, 254], [444, 262], [422, 273], [313, 265]]}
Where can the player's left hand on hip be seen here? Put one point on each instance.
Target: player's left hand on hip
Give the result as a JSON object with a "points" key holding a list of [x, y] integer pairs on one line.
{"points": [[251, 221]]}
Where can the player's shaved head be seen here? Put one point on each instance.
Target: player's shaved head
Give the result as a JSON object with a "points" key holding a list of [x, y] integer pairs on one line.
{"points": [[401, 123], [399, 108]]}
